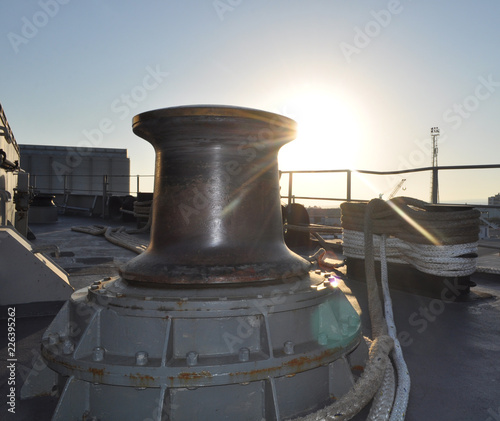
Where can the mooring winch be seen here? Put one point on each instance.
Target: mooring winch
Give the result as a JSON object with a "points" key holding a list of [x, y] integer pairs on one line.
{"points": [[218, 319]]}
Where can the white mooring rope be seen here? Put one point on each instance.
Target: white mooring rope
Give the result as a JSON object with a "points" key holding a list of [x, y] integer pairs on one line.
{"points": [[378, 380], [441, 260], [403, 376]]}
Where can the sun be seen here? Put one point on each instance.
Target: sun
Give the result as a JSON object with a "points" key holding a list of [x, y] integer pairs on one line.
{"points": [[329, 133]]}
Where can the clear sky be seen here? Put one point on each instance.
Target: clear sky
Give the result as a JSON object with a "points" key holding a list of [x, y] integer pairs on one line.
{"points": [[365, 80]]}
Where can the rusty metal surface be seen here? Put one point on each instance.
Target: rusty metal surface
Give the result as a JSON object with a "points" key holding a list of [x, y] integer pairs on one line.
{"points": [[99, 334], [216, 211]]}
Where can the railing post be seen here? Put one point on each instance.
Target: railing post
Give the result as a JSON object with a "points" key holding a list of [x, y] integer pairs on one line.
{"points": [[104, 194], [435, 185], [348, 195], [290, 183], [138, 178]]}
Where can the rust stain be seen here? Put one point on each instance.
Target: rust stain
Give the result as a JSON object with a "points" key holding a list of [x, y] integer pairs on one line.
{"points": [[141, 380], [97, 374], [358, 368], [49, 356], [306, 361], [298, 364], [194, 375], [256, 374]]}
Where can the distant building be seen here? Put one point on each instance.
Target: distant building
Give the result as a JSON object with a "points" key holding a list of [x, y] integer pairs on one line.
{"points": [[60, 170], [322, 216], [494, 200]]}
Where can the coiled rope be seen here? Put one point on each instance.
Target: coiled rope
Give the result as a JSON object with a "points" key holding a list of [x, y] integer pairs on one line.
{"points": [[434, 240]]}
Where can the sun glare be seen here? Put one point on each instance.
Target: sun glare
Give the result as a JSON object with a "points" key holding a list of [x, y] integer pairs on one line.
{"points": [[329, 133]]}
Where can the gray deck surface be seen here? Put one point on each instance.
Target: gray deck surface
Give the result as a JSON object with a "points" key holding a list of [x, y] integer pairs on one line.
{"points": [[452, 348]]}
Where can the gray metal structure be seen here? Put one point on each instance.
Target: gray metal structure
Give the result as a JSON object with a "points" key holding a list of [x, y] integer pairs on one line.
{"points": [[28, 279], [14, 182], [38, 279], [239, 336], [77, 170]]}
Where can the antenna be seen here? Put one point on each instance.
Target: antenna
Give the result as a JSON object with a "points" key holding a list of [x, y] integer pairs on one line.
{"points": [[434, 176]]}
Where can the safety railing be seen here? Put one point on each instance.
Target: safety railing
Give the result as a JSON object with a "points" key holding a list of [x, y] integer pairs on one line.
{"points": [[123, 185], [348, 172], [103, 184]]}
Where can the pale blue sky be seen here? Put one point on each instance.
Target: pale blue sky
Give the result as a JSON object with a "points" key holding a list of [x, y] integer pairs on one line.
{"points": [[376, 74]]}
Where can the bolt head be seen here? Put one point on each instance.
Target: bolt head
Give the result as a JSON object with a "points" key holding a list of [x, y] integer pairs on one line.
{"points": [[53, 338], [68, 346], [192, 358], [141, 358], [98, 353], [244, 354], [289, 348]]}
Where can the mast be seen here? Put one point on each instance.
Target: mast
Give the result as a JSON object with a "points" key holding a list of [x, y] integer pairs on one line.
{"points": [[434, 176]]}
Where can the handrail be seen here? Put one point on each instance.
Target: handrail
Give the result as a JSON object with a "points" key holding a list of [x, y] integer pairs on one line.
{"points": [[411, 170], [348, 197], [435, 170]]}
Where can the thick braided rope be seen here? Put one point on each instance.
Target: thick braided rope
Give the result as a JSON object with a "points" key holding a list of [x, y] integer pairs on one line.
{"points": [[363, 390], [441, 260], [415, 221], [375, 372], [435, 241], [384, 398], [488, 269], [403, 389]]}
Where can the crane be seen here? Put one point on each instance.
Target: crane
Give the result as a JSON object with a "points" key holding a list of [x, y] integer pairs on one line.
{"points": [[394, 190], [398, 186]]}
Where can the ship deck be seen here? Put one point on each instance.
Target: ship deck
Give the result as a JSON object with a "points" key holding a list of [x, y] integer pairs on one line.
{"points": [[451, 347]]}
